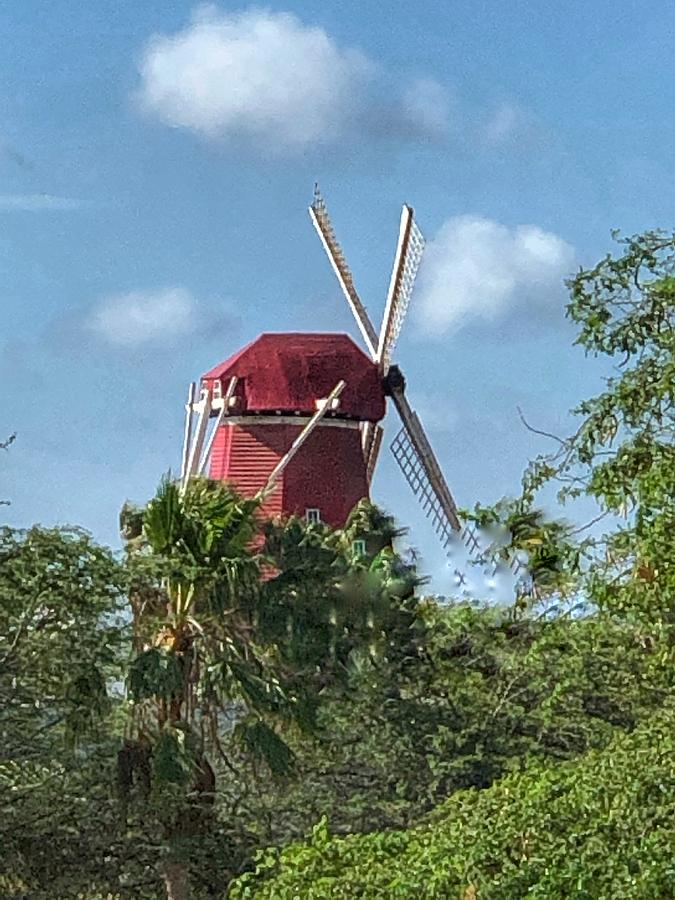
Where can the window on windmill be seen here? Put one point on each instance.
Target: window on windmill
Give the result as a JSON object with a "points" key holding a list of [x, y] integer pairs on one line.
{"points": [[359, 547], [217, 389], [335, 403], [313, 516]]}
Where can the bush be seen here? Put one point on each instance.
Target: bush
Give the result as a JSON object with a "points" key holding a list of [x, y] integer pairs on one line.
{"points": [[602, 826]]}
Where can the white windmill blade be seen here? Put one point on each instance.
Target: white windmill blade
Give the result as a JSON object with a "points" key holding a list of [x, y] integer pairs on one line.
{"points": [[203, 409], [323, 407], [222, 412], [322, 223], [417, 460], [409, 252], [187, 435], [371, 447]]}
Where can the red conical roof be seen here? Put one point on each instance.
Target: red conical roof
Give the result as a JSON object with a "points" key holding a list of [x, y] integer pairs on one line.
{"points": [[290, 372]]}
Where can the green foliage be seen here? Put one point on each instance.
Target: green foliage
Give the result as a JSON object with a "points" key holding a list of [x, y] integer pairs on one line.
{"points": [[598, 827], [515, 526], [60, 597], [467, 695], [172, 761], [155, 673], [325, 604], [265, 744], [623, 452], [62, 643], [194, 545], [87, 702]]}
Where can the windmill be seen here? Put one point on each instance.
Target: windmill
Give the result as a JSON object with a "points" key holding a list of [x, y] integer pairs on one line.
{"points": [[297, 416]]}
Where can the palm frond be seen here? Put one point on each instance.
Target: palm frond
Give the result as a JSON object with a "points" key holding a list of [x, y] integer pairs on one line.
{"points": [[266, 745], [164, 521]]}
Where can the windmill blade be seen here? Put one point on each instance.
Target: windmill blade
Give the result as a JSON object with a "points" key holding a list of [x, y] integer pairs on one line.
{"points": [[322, 223], [187, 434], [224, 411], [420, 469], [417, 461], [409, 252], [372, 441], [203, 409]]}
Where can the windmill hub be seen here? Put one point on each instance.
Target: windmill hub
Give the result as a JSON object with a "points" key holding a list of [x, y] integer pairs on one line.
{"points": [[393, 382]]}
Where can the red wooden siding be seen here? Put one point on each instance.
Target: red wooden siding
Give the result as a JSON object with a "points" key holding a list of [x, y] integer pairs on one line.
{"points": [[327, 473], [245, 457]]}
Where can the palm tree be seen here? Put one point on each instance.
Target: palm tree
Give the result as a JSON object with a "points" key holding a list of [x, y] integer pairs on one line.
{"points": [[200, 664]]}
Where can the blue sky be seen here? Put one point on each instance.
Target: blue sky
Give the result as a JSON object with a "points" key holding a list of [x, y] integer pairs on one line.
{"points": [[156, 162]]}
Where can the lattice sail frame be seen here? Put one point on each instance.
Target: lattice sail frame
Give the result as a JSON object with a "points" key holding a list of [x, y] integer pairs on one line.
{"points": [[414, 472], [324, 227], [401, 289]]}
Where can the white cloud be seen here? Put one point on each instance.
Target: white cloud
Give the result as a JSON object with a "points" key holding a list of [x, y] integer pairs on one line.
{"points": [[502, 124], [476, 268], [37, 202], [254, 74], [137, 318], [510, 124], [426, 106]]}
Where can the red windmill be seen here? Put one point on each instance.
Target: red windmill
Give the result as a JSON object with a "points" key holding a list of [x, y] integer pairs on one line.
{"points": [[296, 415]]}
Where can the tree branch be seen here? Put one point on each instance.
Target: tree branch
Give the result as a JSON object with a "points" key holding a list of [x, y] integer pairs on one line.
{"points": [[547, 434]]}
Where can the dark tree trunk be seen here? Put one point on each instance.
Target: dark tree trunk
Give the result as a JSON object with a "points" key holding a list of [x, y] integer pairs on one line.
{"points": [[176, 881], [192, 821]]}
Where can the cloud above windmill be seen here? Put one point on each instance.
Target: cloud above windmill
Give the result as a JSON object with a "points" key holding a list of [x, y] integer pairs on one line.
{"points": [[478, 269], [140, 318], [37, 203], [269, 78]]}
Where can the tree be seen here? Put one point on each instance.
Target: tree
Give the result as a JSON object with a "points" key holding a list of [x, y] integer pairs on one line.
{"points": [[61, 645], [467, 696], [600, 826], [622, 454], [197, 666]]}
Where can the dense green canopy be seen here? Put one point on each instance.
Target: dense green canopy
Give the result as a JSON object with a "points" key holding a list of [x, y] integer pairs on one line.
{"points": [[597, 828], [62, 639]]}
